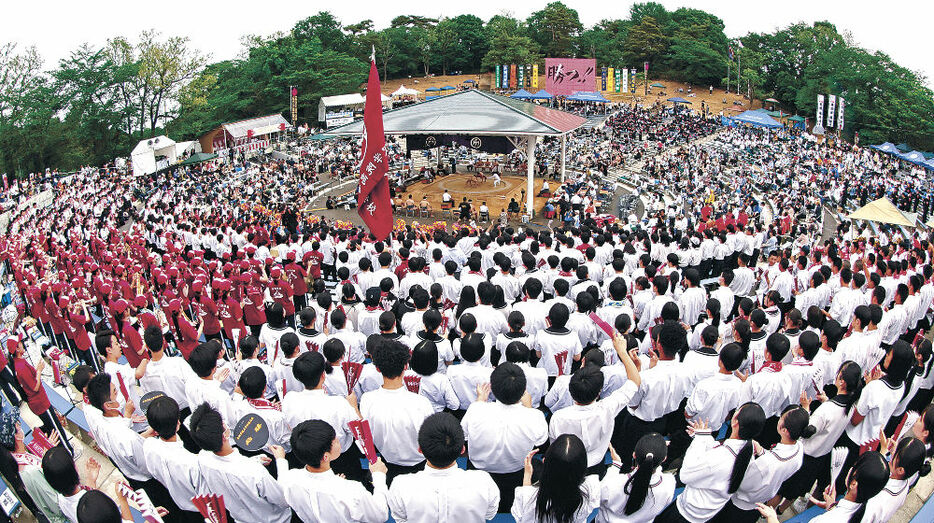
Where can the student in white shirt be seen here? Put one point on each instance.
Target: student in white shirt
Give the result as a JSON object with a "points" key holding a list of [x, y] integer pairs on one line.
{"points": [[100, 508], [536, 380], [864, 481], [309, 338], [642, 493], [877, 401], [471, 372], [713, 471], [250, 492], [557, 339], [907, 464], [165, 373], [168, 461], [316, 493], [395, 413], [432, 384], [768, 387], [246, 358], [770, 469], [501, 433], [443, 491], [516, 321], [564, 491], [251, 384], [591, 418], [59, 469], [269, 335]]}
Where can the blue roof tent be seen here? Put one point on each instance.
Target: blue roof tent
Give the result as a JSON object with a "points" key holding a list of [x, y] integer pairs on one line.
{"points": [[448, 88], [678, 100], [542, 95], [886, 147], [757, 119], [432, 89], [915, 157], [587, 96], [522, 94]]}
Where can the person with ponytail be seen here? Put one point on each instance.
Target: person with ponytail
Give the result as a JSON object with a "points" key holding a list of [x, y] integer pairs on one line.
{"points": [[867, 478], [923, 429], [770, 469], [712, 311], [925, 393], [642, 493], [907, 465], [913, 382], [564, 493], [877, 402], [713, 471], [829, 419], [186, 335]]}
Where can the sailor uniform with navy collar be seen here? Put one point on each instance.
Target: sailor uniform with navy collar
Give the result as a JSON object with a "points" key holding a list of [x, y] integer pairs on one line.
{"points": [[765, 476], [706, 472], [883, 506], [705, 361], [713, 398]]}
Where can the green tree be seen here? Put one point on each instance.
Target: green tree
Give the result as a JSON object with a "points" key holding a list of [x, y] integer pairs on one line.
{"points": [[645, 41], [555, 29], [507, 43]]}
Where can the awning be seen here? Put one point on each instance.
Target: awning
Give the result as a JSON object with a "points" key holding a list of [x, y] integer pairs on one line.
{"points": [[796, 118], [757, 119], [521, 94], [656, 84], [881, 211], [260, 126], [886, 147], [198, 158], [542, 95], [678, 100], [915, 157], [587, 96], [405, 91]]}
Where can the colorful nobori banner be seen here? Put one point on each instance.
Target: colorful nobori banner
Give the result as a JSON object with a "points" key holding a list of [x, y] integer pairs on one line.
{"points": [[831, 109], [534, 76], [840, 104], [505, 76], [632, 80], [521, 82], [499, 76], [512, 76], [603, 75], [616, 80], [820, 111]]}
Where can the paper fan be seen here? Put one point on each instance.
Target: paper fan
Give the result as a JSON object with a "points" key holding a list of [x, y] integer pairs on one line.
{"points": [[837, 458]]}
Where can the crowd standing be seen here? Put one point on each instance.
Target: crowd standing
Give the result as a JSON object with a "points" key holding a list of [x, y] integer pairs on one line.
{"points": [[594, 365]]}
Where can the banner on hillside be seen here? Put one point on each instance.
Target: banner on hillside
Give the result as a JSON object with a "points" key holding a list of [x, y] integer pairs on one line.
{"points": [[820, 111], [521, 79], [610, 79], [616, 80], [499, 76], [840, 105], [535, 76], [632, 81], [512, 76], [831, 109], [564, 76], [603, 75], [528, 76]]}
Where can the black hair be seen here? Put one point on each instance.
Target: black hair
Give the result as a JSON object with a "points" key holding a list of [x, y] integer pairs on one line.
{"points": [[713, 307], [59, 469], [558, 315], [162, 416], [903, 359], [248, 346], [871, 473], [153, 338], [275, 315], [207, 428], [911, 455], [777, 346], [97, 507], [308, 368], [710, 335], [289, 344], [651, 450], [310, 440], [751, 420], [586, 384], [332, 350], [517, 352], [390, 357], [252, 382], [441, 439], [809, 342], [307, 316], [796, 422], [559, 488], [102, 341], [472, 347], [424, 358], [203, 359], [82, 375], [99, 390], [852, 375], [732, 356]]}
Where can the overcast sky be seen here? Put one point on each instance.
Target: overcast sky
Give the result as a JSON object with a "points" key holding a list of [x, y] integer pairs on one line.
{"points": [[900, 28]]}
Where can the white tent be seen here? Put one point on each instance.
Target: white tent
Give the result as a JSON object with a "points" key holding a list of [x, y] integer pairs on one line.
{"points": [[340, 109], [146, 152], [405, 91]]}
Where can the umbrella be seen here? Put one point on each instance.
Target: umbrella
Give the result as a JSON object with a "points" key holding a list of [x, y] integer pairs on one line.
{"points": [[656, 84], [773, 100]]}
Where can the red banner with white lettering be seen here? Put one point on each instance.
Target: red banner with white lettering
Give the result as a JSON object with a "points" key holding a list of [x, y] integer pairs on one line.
{"points": [[373, 203]]}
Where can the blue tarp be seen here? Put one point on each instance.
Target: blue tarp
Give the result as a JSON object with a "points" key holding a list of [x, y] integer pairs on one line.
{"points": [[915, 157], [678, 100], [757, 119], [886, 147], [587, 96], [522, 94], [432, 89], [542, 95], [929, 164]]}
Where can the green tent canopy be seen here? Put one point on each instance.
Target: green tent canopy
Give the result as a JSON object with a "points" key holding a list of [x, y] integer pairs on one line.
{"points": [[198, 158], [796, 118], [656, 84]]}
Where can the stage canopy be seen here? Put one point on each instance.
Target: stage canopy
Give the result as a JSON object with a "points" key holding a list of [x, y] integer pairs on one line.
{"points": [[542, 95], [472, 116], [153, 154], [882, 211], [587, 96], [757, 119], [522, 94]]}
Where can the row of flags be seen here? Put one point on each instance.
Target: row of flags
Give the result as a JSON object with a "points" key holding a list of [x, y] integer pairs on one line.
{"points": [[512, 76]]}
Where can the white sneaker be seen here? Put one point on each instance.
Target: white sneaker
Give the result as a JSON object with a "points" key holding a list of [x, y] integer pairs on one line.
{"points": [[800, 505]]}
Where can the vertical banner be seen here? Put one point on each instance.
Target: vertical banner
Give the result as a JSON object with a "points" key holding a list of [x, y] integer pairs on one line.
{"points": [[632, 81], [564, 76], [603, 74], [293, 102], [512, 76], [528, 76], [616, 81], [521, 78], [499, 76], [831, 109], [535, 76], [505, 76], [611, 79], [840, 105], [373, 203], [820, 111]]}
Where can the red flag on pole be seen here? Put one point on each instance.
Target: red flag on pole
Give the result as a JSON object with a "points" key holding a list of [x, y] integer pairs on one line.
{"points": [[373, 203]]}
